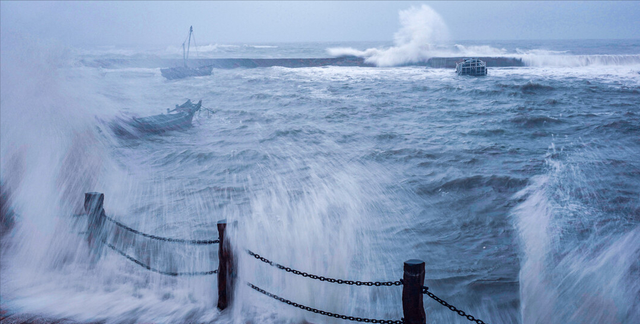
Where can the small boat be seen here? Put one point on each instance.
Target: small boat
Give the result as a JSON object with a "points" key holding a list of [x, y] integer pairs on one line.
{"points": [[181, 72], [178, 118], [471, 66]]}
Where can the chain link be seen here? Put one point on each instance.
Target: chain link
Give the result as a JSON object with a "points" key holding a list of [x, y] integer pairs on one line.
{"points": [[425, 290], [321, 278], [166, 239], [173, 274], [321, 312]]}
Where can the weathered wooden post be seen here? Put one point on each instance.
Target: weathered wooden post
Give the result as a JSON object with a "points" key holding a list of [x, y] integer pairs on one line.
{"points": [[226, 267], [93, 206], [412, 282]]}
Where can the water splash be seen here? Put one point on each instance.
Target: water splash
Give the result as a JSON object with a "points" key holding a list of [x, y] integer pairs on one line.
{"points": [[422, 31], [570, 253], [424, 34]]}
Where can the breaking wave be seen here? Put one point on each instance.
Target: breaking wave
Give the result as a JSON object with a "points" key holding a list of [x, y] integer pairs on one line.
{"points": [[424, 35], [551, 60], [570, 253], [475, 50], [421, 32]]}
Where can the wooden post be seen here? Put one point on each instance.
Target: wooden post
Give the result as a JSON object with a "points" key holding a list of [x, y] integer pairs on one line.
{"points": [[413, 280], [93, 206], [226, 268]]}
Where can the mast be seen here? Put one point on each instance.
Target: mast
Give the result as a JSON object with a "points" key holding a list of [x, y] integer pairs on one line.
{"points": [[189, 44], [185, 50], [184, 57]]}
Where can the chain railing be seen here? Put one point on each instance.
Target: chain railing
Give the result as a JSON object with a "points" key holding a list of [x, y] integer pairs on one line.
{"points": [[166, 273], [412, 282], [95, 231], [321, 312], [321, 278], [425, 290], [166, 239]]}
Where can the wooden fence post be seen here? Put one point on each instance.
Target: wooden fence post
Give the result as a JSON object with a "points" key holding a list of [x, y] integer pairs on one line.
{"points": [[94, 207], [413, 280], [226, 268]]}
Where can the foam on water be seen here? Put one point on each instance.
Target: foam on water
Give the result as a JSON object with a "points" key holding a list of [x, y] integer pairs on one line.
{"points": [[343, 172], [570, 253], [579, 60]]}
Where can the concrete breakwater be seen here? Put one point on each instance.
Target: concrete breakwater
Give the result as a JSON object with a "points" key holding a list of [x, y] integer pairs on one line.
{"points": [[232, 63]]}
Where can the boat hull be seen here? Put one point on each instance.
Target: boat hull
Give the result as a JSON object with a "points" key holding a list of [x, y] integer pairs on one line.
{"points": [[179, 119]]}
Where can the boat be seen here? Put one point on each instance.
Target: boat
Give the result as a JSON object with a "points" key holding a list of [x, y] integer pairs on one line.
{"points": [[471, 66], [178, 118], [181, 72]]}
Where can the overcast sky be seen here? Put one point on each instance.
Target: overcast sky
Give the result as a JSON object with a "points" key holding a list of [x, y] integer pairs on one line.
{"points": [[166, 23]]}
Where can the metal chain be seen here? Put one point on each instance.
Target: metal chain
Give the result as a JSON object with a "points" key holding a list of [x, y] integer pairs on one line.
{"points": [[425, 290], [173, 274], [321, 278], [192, 242], [321, 312]]}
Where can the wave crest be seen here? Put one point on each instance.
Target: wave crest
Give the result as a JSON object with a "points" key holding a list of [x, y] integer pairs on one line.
{"points": [[548, 60], [421, 29]]}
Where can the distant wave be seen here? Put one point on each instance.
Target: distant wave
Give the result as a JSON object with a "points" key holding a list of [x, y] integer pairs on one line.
{"points": [[424, 33], [200, 48], [422, 27], [474, 50], [533, 58], [212, 48], [109, 50], [262, 46], [578, 60], [540, 52]]}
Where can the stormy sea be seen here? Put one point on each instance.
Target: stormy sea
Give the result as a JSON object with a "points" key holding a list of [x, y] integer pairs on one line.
{"points": [[520, 190]]}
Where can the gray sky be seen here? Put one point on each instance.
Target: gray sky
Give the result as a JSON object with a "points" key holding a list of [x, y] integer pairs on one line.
{"points": [[166, 23]]}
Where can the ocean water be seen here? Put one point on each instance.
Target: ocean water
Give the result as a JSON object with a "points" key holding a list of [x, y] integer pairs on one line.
{"points": [[520, 190]]}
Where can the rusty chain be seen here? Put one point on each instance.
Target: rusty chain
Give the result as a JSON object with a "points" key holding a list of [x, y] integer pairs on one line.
{"points": [[321, 278], [425, 290], [321, 312]]}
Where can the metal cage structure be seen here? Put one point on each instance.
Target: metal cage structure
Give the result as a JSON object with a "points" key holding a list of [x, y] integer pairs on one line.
{"points": [[472, 66]]}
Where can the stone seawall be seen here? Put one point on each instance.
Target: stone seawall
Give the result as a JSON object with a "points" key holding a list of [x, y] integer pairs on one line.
{"points": [[232, 63]]}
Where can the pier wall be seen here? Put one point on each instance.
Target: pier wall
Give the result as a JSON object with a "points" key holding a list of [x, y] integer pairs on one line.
{"points": [[232, 63]]}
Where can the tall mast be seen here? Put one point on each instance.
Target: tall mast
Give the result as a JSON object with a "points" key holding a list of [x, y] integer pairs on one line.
{"points": [[189, 44]]}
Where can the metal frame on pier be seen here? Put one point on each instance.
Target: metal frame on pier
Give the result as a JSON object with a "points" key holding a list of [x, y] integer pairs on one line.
{"points": [[471, 66]]}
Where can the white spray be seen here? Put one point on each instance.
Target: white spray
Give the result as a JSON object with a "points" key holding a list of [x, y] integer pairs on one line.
{"points": [[595, 272], [422, 30]]}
